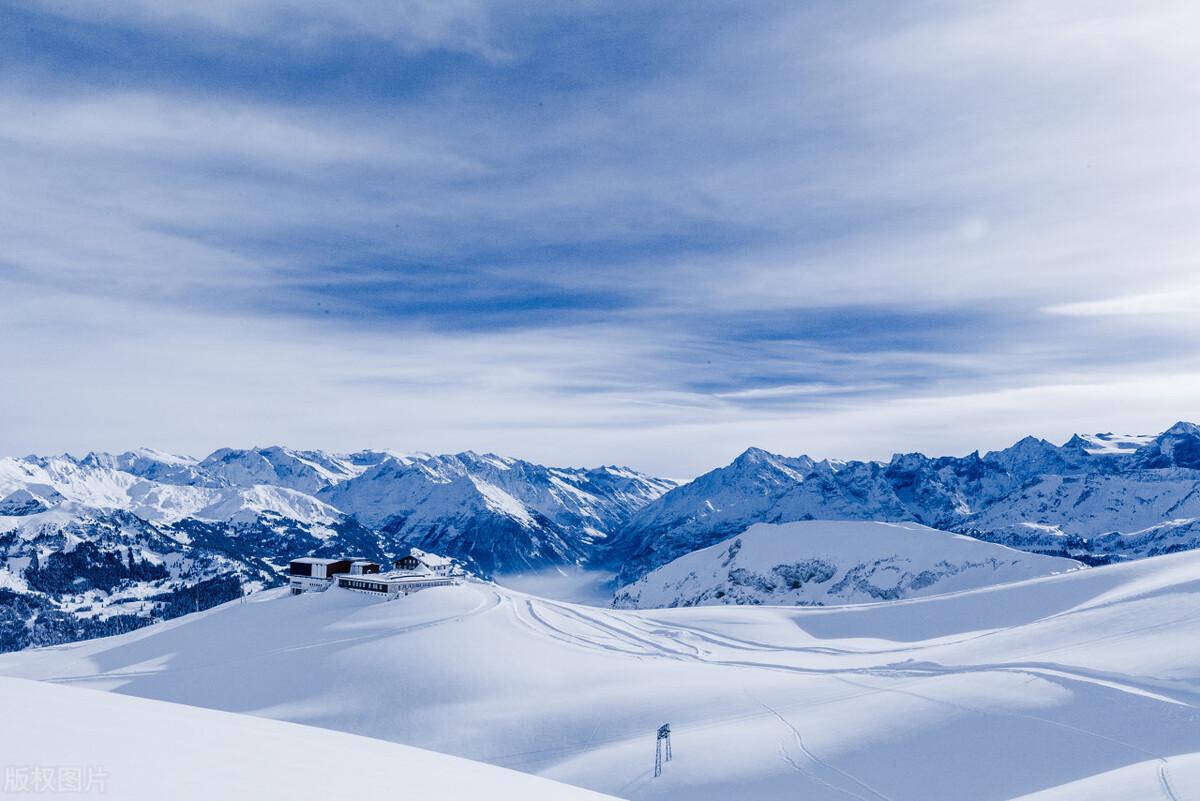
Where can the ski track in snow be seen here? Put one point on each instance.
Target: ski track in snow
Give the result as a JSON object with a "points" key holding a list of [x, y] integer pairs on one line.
{"points": [[646, 647], [649, 644], [1166, 781], [799, 739]]}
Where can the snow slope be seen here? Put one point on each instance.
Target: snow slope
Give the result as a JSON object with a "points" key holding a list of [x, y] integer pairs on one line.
{"points": [[113, 746], [986, 694], [842, 561], [1152, 779]]}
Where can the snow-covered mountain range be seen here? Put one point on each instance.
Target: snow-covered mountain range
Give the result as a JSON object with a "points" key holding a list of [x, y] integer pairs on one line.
{"points": [[1096, 498], [820, 562], [95, 545], [105, 542]]}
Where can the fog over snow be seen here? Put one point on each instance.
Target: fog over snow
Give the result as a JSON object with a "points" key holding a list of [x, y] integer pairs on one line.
{"points": [[596, 233]]}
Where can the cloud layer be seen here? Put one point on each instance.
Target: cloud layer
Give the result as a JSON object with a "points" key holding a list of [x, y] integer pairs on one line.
{"points": [[595, 233]]}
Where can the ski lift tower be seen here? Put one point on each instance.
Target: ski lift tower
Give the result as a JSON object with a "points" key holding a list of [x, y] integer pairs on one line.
{"points": [[664, 737]]}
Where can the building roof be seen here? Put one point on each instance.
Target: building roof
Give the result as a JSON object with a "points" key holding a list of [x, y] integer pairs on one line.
{"points": [[426, 558], [395, 577], [315, 560]]}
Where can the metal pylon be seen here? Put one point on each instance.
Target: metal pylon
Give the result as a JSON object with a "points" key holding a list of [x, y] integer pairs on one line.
{"points": [[664, 735]]}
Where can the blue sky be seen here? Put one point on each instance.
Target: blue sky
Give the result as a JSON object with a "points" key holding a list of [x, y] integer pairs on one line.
{"points": [[596, 232]]}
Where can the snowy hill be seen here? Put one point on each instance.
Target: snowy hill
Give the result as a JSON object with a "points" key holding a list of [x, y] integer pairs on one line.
{"points": [[1098, 498], [184, 753], [829, 562], [986, 694]]}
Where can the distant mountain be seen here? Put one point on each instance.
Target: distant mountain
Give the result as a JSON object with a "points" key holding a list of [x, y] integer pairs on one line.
{"points": [[108, 542], [833, 562], [499, 513], [1097, 498]]}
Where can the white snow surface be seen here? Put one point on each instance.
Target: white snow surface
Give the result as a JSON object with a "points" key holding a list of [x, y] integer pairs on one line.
{"points": [[987, 694], [140, 750], [1109, 444], [1152, 779], [834, 561]]}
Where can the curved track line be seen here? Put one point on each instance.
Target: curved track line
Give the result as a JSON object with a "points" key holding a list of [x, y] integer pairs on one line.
{"points": [[821, 762]]}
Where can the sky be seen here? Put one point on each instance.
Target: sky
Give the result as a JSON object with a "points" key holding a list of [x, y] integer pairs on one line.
{"points": [[650, 234]]}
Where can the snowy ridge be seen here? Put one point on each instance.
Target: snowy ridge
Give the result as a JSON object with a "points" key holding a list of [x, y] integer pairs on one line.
{"points": [[833, 562], [101, 481]]}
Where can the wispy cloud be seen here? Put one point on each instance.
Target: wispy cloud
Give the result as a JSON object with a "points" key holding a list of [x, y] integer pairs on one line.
{"points": [[1183, 299], [700, 224]]}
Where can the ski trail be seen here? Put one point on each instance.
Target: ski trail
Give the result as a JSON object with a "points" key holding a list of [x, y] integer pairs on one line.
{"points": [[540, 625], [813, 758], [1165, 781], [1006, 713], [622, 633], [744, 644], [1052, 669]]}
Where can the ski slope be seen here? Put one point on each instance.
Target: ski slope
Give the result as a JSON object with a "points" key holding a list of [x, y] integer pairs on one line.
{"points": [[992, 693], [100, 745]]}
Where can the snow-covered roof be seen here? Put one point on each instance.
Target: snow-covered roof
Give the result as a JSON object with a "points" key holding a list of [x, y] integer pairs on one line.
{"points": [[314, 560], [428, 559], [395, 577]]}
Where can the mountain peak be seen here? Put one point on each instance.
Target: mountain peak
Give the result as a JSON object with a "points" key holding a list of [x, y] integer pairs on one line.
{"points": [[753, 455], [757, 456], [1178, 446]]}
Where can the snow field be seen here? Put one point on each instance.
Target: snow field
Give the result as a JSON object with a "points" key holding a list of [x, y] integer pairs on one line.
{"points": [[985, 694]]}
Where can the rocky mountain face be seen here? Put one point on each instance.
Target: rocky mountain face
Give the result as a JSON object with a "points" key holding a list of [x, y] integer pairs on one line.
{"points": [[1096, 498], [109, 542], [498, 513], [822, 562]]}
